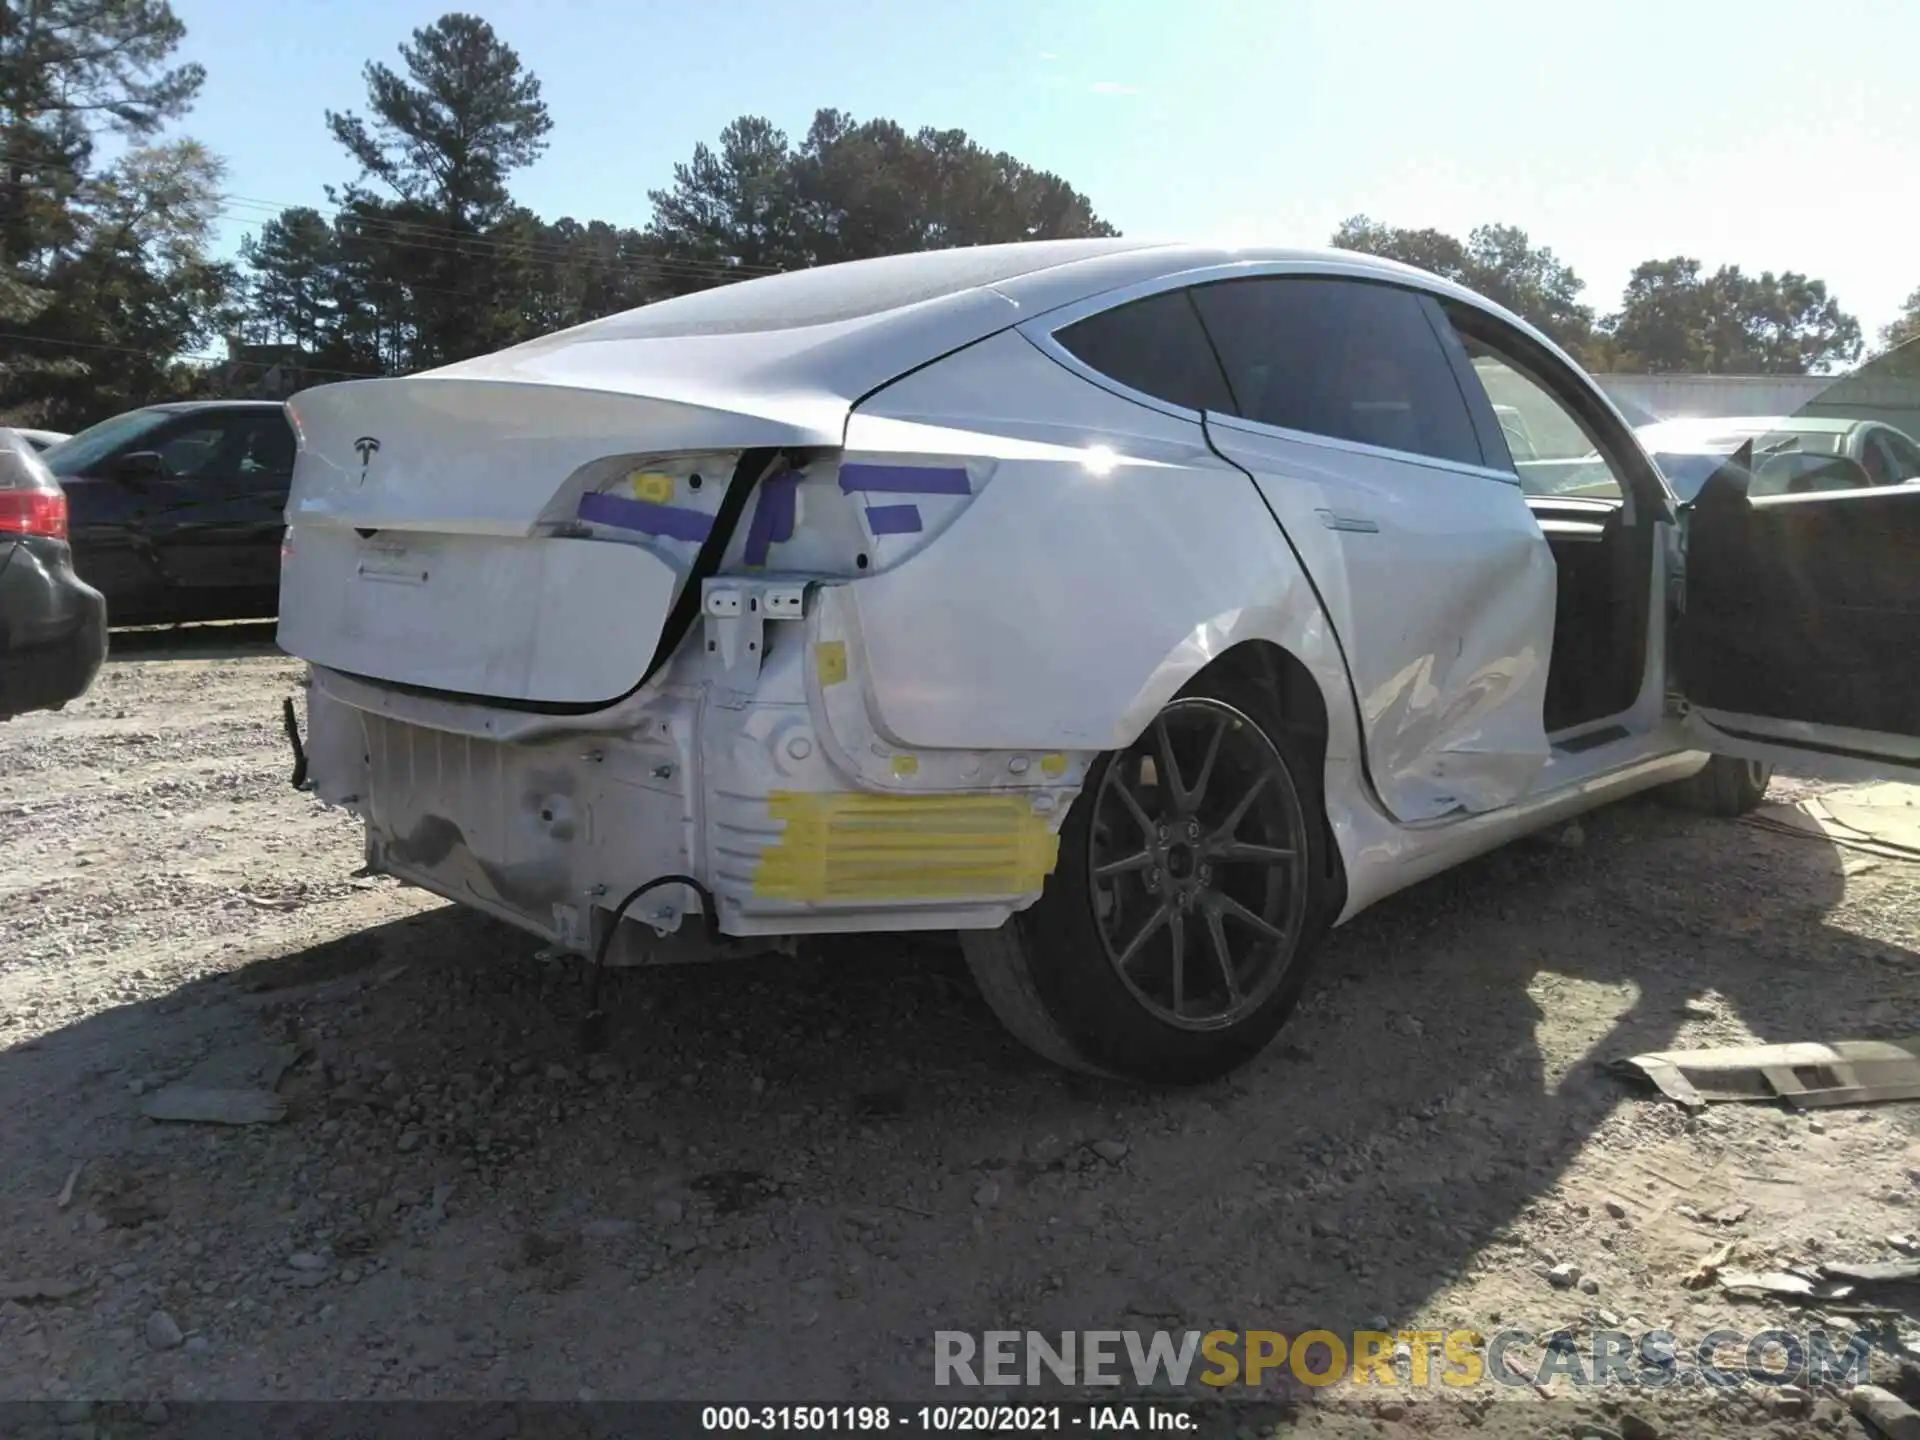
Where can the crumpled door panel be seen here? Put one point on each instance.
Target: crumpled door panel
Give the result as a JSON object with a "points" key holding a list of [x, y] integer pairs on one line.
{"points": [[1441, 588]]}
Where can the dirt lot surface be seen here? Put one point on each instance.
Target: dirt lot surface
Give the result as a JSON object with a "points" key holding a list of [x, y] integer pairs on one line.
{"points": [[785, 1176]]}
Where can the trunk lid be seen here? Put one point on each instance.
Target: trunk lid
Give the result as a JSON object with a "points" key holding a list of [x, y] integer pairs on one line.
{"points": [[519, 541]]}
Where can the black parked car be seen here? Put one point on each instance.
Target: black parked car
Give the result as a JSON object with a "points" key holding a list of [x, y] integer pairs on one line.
{"points": [[53, 628], [177, 510]]}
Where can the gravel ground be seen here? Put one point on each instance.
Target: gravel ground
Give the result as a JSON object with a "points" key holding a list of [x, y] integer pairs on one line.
{"points": [[786, 1175]]}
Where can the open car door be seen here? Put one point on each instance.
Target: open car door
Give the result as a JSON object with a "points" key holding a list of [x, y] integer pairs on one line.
{"points": [[1799, 642]]}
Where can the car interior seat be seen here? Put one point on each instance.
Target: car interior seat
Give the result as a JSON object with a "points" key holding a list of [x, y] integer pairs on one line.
{"points": [[272, 450]]}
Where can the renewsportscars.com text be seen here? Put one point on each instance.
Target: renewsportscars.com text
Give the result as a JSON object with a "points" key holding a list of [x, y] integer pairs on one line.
{"points": [[1455, 1359]]}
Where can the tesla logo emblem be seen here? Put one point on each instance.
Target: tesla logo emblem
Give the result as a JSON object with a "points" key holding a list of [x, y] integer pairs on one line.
{"points": [[368, 447]]}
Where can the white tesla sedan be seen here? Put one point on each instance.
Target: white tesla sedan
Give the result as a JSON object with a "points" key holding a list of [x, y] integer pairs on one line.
{"points": [[1138, 610]]}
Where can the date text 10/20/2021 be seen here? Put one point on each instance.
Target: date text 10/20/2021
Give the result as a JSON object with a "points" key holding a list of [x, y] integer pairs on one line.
{"points": [[946, 1419]]}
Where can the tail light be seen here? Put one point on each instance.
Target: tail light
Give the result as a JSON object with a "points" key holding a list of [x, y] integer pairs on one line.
{"points": [[34, 512]]}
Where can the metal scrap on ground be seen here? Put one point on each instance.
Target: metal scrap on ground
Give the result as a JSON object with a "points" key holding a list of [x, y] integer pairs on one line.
{"points": [[1807, 1075], [1870, 1287], [233, 1087], [1881, 820], [1885, 1412], [1877, 1272], [1785, 1284], [214, 1107]]}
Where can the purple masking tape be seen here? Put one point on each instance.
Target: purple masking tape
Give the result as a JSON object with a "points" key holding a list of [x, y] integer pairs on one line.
{"points": [[668, 520], [894, 519], [905, 480], [773, 516]]}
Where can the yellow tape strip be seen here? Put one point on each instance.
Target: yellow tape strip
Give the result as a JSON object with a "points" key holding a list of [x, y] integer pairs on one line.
{"points": [[904, 847]]}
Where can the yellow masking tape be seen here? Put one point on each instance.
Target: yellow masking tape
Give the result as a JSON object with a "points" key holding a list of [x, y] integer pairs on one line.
{"points": [[905, 765], [1053, 764], [830, 660], [904, 847], [652, 486]]}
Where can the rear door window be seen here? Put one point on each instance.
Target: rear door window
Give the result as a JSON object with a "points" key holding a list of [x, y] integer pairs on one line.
{"points": [[1345, 359], [1156, 346]]}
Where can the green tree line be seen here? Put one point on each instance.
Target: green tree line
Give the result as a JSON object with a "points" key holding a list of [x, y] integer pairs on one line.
{"points": [[110, 291]]}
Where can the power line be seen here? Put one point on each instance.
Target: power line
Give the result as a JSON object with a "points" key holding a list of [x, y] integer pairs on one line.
{"points": [[437, 238], [556, 249], [203, 359], [414, 233], [446, 241]]}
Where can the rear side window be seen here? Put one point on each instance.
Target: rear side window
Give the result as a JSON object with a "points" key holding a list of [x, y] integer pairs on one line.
{"points": [[1156, 346], [1341, 358]]}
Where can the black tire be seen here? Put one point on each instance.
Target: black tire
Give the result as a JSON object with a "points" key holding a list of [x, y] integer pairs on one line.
{"points": [[1726, 787], [1050, 974]]}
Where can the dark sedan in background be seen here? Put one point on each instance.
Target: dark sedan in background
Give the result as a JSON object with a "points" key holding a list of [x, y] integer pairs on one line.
{"points": [[53, 627], [176, 511]]}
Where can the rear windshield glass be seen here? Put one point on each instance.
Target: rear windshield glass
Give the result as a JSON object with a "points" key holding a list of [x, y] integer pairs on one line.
{"points": [[841, 292]]}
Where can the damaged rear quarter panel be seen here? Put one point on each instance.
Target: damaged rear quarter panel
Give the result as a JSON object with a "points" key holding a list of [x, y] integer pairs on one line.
{"points": [[1113, 556]]}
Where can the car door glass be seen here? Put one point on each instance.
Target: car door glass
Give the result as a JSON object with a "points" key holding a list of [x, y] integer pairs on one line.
{"points": [[1905, 455], [1877, 461], [269, 448], [193, 451], [81, 453], [229, 451], [1548, 447], [1156, 346], [1347, 359]]}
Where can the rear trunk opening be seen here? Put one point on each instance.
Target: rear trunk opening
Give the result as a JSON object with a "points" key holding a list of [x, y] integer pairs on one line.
{"points": [[525, 543]]}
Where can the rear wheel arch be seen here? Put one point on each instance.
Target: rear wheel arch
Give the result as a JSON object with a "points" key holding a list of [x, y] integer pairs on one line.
{"points": [[1314, 709], [1053, 974], [1281, 676], [1298, 705], [1042, 994]]}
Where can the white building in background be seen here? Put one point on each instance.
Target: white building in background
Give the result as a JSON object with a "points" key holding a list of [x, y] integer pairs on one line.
{"points": [[1860, 397]]}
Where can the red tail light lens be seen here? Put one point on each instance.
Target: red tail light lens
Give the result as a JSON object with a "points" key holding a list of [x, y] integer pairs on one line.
{"points": [[34, 512]]}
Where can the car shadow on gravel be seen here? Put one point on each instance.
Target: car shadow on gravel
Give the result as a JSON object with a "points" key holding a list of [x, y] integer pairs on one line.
{"points": [[848, 1138]]}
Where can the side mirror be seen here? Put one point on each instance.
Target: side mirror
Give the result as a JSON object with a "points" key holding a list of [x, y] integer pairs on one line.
{"points": [[137, 467]]}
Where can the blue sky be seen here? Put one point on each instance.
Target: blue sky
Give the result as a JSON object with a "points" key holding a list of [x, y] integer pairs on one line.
{"points": [[1774, 134]]}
